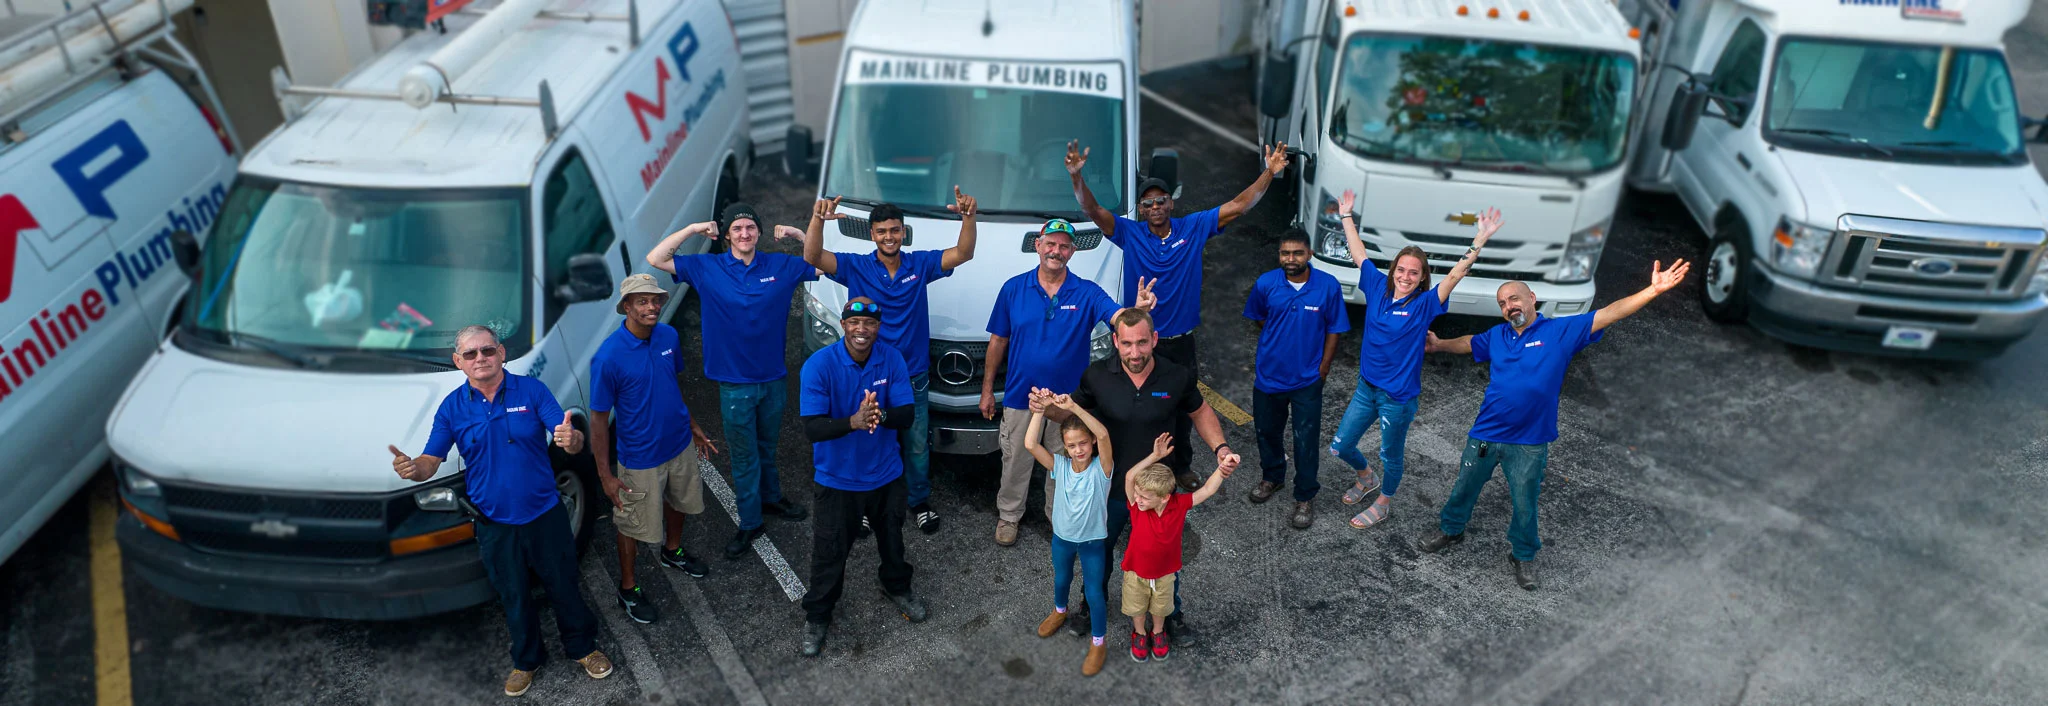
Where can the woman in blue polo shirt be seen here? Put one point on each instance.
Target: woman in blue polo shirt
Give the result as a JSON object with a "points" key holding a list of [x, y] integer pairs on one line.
{"points": [[1398, 308]]}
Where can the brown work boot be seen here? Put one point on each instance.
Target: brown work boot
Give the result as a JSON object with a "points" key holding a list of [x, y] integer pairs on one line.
{"points": [[1304, 515], [1097, 654], [1263, 491], [1006, 532], [518, 682], [596, 665], [1051, 624]]}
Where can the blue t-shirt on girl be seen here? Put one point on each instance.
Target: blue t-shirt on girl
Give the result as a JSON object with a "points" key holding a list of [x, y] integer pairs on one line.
{"points": [[1080, 501]]}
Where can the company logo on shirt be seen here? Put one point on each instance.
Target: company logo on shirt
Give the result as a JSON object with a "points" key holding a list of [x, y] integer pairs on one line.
{"points": [[1306, 307], [1163, 395], [1178, 243], [881, 382], [1069, 307], [666, 352], [520, 408], [912, 278], [769, 278], [1397, 313], [1532, 344]]}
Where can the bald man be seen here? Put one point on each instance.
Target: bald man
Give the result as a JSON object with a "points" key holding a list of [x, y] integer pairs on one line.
{"points": [[1518, 419]]}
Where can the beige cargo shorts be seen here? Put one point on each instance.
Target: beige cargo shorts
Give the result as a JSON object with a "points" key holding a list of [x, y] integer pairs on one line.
{"points": [[639, 515]]}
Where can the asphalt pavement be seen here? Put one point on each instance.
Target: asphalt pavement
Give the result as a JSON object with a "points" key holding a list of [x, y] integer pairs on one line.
{"points": [[1727, 519]]}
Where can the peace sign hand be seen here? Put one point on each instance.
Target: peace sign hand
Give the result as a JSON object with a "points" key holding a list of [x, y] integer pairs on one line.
{"points": [[962, 203], [1146, 299], [1076, 157], [826, 210]]}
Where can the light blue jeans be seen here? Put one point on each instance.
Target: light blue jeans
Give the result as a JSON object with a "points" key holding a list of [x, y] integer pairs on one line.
{"points": [[753, 424], [1394, 417], [1522, 465]]}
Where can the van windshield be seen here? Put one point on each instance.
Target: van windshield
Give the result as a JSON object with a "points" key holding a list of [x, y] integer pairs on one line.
{"points": [[1889, 101], [315, 274], [1005, 144], [1505, 106]]}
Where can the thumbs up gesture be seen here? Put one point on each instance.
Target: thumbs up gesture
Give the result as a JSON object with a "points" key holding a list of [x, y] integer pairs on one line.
{"points": [[567, 437], [404, 466]]}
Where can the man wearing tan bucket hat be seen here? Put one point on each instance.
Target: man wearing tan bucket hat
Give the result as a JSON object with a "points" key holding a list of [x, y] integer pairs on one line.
{"points": [[635, 396]]}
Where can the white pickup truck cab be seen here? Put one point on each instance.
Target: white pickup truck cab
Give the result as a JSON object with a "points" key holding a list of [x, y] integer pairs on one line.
{"points": [[932, 95], [1435, 111], [101, 167], [357, 239], [1859, 167]]}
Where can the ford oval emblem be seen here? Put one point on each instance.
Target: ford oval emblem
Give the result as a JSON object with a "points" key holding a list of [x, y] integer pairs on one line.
{"points": [[1934, 266]]}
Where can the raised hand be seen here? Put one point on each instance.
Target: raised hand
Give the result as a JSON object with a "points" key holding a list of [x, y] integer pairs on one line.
{"points": [[962, 203], [708, 229], [564, 432], [789, 233], [827, 209], [1226, 463], [1146, 299], [1345, 202], [1489, 223], [403, 465], [1040, 399], [1662, 280], [1276, 158], [1162, 446], [1065, 402], [1077, 156]]}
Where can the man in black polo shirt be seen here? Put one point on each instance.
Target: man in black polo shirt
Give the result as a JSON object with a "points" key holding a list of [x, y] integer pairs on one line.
{"points": [[1139, 396]]}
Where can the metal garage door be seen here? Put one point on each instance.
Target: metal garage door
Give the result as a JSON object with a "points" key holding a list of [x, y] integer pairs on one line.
{"points": [[764, 53]]}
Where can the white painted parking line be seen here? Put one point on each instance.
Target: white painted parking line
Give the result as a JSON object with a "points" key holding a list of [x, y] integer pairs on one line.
{"points": [[1197, 119], [638, 661], [716, 641], [792, 586]]}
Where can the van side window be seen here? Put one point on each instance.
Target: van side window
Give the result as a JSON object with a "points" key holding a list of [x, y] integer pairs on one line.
{"points": [[1326, 56], [1739, 69], [574, 222]]}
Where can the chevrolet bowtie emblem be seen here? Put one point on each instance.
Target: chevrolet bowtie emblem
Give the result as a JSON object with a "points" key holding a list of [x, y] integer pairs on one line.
{"points": [[1464, 219]]}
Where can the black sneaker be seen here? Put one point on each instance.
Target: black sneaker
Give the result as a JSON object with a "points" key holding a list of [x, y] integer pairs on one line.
{"points": [[864, 530], [679, 559], [814, 638], [786, 509], [927, 520], [638, 606], [1181, 633], [913, 609], [1525, 573], [742, 541]]}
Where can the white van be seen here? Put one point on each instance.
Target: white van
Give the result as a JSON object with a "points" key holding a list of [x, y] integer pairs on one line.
{"points": [[987, 97], [99, 167], [359, 236]]}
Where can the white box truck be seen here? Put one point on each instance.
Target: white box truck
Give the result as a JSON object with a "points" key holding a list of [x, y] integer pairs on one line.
{"points": [[1859, 167], [552, 148], [1435, 111], [985, 96]]}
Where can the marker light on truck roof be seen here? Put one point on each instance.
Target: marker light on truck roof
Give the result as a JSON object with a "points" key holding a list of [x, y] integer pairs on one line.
{"points": [[1350, 10], [1524, 16], [1462, 11], [1493, 14], [1635, 33]]}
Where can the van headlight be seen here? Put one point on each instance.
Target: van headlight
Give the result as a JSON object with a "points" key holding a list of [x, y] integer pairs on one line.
{"points": [[436, 500], [1582, 255], [820, 321], [1099, 346], [1330, 230], [1798, 249], [2039, 284], [139, 485]]}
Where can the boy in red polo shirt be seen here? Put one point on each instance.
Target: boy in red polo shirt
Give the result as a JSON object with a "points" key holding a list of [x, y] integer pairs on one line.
{"points": [[1152, 558]]}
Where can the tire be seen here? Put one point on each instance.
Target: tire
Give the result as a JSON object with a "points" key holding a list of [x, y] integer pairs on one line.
{"points": [[728, 191], [1724, 284], [582, 496]]}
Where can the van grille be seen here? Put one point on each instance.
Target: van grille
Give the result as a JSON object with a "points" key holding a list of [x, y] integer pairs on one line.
{"points": [[859, 229], [331, 529], [1916, 258], [1083, 240], [257, 504]]}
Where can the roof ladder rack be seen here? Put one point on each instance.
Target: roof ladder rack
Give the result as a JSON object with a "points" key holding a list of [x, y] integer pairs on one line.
{"points": [[281, 86], [631, 18], [49, 59]]}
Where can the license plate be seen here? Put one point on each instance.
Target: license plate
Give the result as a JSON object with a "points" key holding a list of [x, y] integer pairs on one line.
{"points": [[1910, 338]]}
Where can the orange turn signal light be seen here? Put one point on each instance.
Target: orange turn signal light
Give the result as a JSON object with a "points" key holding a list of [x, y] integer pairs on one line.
{"points": [[1493, 14], [1634, 33], [1350, 10], [154, 525], [1784, 239], [1524, 16], [1462, 11], [433, 540]]}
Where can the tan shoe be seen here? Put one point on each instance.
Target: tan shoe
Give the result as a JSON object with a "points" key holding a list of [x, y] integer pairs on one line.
{"points": [[596, 665], [1097, 654], [1051, 624], [1006, 532], [518, 682]]}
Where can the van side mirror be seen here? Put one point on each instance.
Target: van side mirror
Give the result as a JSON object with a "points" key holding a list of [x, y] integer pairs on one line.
{"points": [[1683, 118], [1165, 166], [2040, 128], [185, 249], [796, 153], [589, 280], [1306, 163], [1276, 86]]}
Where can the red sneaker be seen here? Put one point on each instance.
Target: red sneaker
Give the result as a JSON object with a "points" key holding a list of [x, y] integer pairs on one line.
{"points": [[1159, 646], [1140, 647]]}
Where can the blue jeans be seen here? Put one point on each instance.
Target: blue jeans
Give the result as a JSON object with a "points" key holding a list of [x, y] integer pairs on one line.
{"points": [[753, 424], [515, 555], [1092, 566], [1522, 465], [1369, 402], [1272, 413], [917, 442]]}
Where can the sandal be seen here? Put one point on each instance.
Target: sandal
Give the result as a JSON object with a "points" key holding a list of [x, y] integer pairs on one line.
{"points": [[1367, 482], [1373, 514]]}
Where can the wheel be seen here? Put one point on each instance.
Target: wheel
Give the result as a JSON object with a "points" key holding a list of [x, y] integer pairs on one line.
{"points": [[1724, 290], [727, 192], [582, 497]]}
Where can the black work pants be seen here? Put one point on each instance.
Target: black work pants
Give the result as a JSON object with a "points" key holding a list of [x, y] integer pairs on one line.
{"points": [[835, 518]]}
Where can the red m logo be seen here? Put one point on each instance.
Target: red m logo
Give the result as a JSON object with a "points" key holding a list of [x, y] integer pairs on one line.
{"points": [[14, 218], [659, 108]]}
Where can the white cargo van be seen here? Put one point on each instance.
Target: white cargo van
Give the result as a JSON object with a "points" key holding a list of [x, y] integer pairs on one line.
{"points": [[358, 237], [1859, 167], [102, 160], [985, 96], [1435, 111]]}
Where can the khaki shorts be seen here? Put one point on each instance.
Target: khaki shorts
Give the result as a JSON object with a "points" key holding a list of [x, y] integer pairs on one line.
{"points": [[639, 515], [1143, 596]]}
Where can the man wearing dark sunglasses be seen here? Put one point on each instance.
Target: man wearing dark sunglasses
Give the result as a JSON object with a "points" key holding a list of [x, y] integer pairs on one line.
{"points": [[1048, 316], [898, 281], [502, 423]]}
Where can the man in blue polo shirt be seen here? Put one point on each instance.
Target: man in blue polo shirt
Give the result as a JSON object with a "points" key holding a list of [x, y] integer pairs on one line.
{"points": [[1299, 311], [1048, 315], [743, 301], [1518, 419], [856, 396], [502, 424], [898, 282], [656, 485]]}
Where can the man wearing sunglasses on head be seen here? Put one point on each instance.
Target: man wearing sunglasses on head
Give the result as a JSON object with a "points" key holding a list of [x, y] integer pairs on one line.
{"points": [[898, 282], [1042, 324], [743, 298], [502, 423], [1168, 251]]}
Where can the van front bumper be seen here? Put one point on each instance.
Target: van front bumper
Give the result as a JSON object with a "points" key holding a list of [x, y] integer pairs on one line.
{"points": [[958, 429], [436, 581], [1806, 314]]}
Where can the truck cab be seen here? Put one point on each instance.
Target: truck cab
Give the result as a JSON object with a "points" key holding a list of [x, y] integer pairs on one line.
{"points": [[1433, 112], [1859, 168], [934, 95]]}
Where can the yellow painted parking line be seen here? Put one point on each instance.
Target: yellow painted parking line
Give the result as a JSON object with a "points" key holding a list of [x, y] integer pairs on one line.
{"points": [[109, 604], [1223, 406]]}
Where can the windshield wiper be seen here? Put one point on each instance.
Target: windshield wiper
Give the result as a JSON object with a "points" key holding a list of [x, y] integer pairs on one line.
{"points": [[1936, 143], [926, 211], [277, 349], [1572, 178], [1041, 215], [1837, 136]]}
